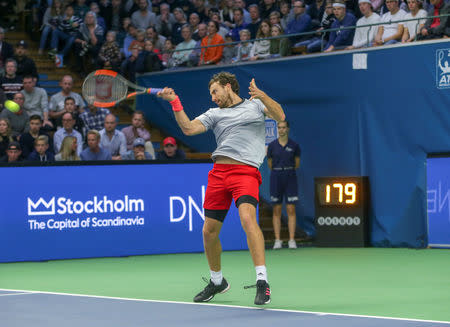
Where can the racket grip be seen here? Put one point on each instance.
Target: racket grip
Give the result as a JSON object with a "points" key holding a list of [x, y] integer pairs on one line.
{"points": [[154, 90]]}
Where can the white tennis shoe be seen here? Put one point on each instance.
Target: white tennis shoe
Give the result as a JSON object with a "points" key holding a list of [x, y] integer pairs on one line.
{"points": [[278, 244]]}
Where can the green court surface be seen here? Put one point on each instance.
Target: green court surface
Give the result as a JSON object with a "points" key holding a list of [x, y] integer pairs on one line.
{"points": [[402, 283]]}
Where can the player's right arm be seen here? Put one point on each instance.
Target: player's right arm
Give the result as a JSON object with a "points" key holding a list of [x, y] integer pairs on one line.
{"points": [[189, 127]]}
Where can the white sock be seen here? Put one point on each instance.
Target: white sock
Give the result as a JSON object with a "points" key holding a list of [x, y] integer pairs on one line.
{"points": [[216, 277], [261, 273]]}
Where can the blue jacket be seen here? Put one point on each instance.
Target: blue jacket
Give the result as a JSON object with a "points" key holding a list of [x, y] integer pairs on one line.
{"points": [[343, 37], [299, 24], [34, 156]]}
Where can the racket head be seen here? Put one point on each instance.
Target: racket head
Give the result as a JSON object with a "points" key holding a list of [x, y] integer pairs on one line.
{"points": [[104, 88]]}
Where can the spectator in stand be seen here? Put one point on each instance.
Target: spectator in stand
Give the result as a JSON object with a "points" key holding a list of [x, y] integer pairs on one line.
{"points": [[194, 20], [316, 43], [137, 129], [436, 27], [239, 24], [130, 37], [27, 139], [56, 105], [341, 39], [70, 106], [2, 99], [6, 135], [167, 53], [201, 9], [300, 23], [266, 7], [52, 16], [109, 56], [66, 32], [69, 148], [122, 32], [364, 36], [157, 39], [13, 153], [100, 20], [392, 31], [279, 47], [88, 42], [41, 152], [229, 51], [165, 20], [242, 5], [11, 83], [255, 20], [112, 139], [170, 150], [180, 20], [211, 55], [94, 118], [245, 47], [202, 31], [194, 57], [148, 60], [378, 6], [93, 151], [68, 122], [6, 51], [25, 65], [138, 152], [128, 66], [36, 100], [223, 30], [184, 49], [114, 15], [261, 48], [315, 11], [18, 120], [275, 18], [413, 27], [140, 39], [226, 13], [80, 9], [144, 17]]}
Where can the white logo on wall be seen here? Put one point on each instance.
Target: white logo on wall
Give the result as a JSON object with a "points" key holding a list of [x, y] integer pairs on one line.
{"points": [[443, 68], [64, 213]]}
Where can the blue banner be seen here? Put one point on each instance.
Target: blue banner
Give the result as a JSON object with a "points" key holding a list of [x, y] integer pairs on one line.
{"points": [[62, 212], [438, 199]]}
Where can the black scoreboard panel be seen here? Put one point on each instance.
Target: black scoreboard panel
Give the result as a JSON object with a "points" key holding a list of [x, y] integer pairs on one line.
{"points": [[341, 205]]}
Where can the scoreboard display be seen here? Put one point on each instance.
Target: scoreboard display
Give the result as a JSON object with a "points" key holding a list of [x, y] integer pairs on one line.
{"points": [[341, 205]]}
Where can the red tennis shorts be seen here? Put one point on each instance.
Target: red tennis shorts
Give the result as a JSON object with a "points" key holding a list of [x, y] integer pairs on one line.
{"points": [[227, 182]]}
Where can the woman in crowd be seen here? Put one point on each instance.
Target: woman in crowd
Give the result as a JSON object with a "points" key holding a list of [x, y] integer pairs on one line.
{"points": [[68, 150], [6, 135], [261, 48]]}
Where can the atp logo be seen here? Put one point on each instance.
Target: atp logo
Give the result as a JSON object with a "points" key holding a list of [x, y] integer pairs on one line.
{"points": [[443, 68], [46, 208]]}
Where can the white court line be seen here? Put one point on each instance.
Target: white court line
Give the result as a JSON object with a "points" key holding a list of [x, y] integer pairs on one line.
{"points": [[227, 306], [28, 293]]}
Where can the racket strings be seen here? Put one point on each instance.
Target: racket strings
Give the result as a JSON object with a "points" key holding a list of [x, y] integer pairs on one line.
{"points": [[103, 89]]}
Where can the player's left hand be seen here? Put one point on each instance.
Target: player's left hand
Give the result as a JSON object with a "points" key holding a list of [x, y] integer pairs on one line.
{"points": [[254, 91]]}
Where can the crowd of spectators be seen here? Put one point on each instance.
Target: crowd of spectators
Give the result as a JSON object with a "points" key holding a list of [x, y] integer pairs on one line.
{"points": [[138, 36]]}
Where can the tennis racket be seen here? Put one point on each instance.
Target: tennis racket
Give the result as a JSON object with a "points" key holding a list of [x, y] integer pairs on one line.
{"points": [[105, 88]]}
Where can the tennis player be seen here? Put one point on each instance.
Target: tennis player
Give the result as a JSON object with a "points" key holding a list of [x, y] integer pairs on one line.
{"points": [[239, 127]]}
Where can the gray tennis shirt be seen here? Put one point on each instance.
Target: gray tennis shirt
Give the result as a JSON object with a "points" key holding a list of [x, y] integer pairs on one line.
{"points": [[239, 130]]}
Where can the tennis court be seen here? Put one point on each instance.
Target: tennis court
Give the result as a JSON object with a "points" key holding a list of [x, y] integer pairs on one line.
{"points": [[310, 287]]}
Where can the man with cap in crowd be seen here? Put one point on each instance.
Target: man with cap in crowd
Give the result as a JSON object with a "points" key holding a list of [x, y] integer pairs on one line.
{"points": [[170, 150], [138, 152], [342, 38], [25, 65], [364, 35], [13, 153]]}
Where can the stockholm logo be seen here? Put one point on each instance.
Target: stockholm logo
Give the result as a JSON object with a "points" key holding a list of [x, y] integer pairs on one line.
{"points": [[41, 207], [443, 68]]}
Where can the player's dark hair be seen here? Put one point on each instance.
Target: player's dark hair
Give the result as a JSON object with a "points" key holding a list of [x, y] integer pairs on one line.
{"points": [[223, 78]]}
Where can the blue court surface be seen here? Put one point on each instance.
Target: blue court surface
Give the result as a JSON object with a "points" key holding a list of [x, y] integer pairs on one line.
{"points": [[39, 309]]}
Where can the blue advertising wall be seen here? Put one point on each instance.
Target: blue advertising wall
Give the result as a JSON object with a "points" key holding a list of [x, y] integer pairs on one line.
{"points": [[100, 211], [377, 117], [438, 198]]}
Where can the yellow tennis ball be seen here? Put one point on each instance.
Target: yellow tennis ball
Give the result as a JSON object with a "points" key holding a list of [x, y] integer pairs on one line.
{"points": [[12, 106]]}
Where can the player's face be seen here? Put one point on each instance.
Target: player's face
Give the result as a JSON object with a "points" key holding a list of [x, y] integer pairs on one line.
{"points": [[220, 95]]}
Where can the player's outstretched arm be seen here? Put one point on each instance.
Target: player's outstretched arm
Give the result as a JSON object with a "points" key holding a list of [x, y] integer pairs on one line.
{"points": [[189, 127], [274, 109]]}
